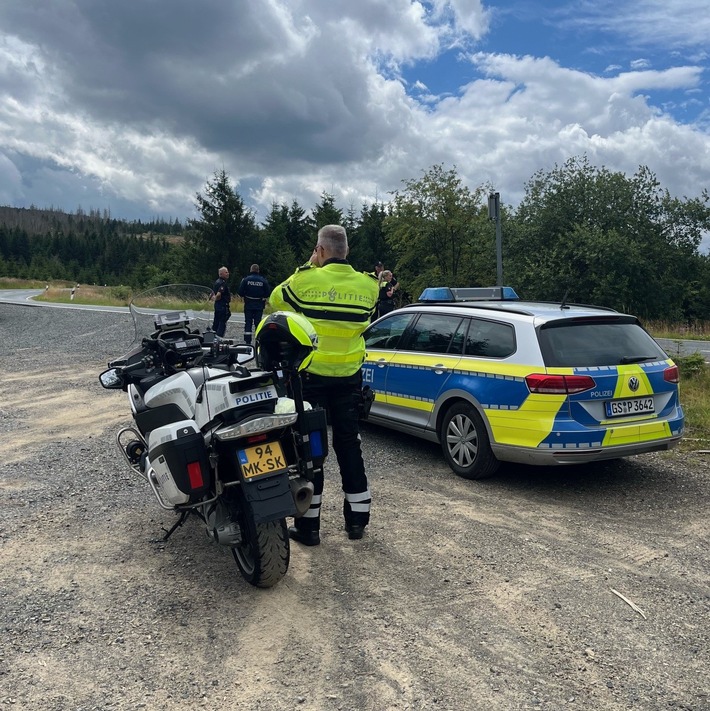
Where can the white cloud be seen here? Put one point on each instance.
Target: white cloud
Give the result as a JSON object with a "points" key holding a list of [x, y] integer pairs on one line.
{"points": [[669, 23], [145, 101], [531, 113]]}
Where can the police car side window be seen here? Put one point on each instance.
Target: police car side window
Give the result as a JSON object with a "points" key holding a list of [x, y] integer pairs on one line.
{"points": [[387, 333], [433, 333], [457, 342], [490, 339]]}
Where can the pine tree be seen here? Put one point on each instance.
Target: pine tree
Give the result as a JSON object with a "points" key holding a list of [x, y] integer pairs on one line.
{"points": [[224, 235]]}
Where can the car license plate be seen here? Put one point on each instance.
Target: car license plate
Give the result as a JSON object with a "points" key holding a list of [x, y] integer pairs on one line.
{"points": [[630, 406], [263, 459]]}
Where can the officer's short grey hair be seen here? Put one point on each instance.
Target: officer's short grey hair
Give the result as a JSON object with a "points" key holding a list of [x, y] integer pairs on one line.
{"points": [[254, 268], [335, 239]]}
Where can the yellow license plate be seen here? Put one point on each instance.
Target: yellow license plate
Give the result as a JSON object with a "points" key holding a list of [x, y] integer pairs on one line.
{"points": [[263, 459]]}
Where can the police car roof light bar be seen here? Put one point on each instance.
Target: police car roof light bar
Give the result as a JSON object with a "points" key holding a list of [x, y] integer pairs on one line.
{"points": [[446, 294]]}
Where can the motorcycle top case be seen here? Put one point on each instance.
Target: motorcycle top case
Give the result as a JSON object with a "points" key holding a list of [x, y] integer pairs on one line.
{"points": [[179, 458]]}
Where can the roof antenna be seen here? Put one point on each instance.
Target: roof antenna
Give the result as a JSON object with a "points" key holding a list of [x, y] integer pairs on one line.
{"points": [[563, 305]]}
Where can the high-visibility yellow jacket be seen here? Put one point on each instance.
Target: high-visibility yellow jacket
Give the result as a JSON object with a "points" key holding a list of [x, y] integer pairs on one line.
{"points": [[339, 302]]}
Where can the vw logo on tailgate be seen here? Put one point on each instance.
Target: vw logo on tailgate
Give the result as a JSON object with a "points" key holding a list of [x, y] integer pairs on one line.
{"points": [[633, 383]]}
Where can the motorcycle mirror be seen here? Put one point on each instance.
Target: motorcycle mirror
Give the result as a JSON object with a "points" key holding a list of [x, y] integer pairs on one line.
{"points": [[111, 379]]}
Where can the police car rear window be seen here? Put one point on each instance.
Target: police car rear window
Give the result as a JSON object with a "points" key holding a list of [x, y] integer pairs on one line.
{"points": [[583, 344]]}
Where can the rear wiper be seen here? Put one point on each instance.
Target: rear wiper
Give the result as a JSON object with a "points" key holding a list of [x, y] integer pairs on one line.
{"points": [[635, 359]]}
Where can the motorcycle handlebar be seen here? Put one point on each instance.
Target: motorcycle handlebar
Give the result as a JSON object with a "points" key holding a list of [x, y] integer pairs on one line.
{"points": [[227, 347], [242, 349], [142, 363]]}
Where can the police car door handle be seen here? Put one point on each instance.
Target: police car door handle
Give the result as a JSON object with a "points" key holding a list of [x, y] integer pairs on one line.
{"points": [[382, 362], [440, 368]]}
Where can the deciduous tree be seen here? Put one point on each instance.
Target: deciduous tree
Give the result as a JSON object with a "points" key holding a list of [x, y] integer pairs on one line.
{"points": [[439, 231]]}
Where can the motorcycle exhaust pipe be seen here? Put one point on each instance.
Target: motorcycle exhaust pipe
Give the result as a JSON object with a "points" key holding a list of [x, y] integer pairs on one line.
{"points": [[302, 492]]}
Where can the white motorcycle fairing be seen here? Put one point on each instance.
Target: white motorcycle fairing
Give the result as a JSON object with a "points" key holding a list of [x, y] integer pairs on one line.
{"points": [[179, 389]]}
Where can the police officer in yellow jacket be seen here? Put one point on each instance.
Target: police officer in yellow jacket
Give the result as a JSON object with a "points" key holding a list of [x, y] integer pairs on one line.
{"points": [[339, 302]]}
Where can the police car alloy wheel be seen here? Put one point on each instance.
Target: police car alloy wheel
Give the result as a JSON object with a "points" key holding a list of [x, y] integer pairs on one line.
{"points": [[465, 443]]}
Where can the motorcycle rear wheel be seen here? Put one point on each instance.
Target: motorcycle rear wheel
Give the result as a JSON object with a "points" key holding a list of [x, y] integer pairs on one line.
{"points": [[264, 554]]}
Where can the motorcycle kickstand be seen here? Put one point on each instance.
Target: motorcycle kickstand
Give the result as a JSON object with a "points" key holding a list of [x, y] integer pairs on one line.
{"points": [[174, 527]]}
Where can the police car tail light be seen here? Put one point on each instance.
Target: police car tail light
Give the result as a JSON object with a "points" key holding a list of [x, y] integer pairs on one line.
{"points": [[671, 375], [543, 384]]}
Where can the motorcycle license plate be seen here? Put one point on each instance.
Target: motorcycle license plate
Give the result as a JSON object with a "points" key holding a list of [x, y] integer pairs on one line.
{"points": [[262, 459]]}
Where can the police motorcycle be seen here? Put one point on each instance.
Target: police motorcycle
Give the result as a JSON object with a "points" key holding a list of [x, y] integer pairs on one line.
{"points": [[235, 447]]}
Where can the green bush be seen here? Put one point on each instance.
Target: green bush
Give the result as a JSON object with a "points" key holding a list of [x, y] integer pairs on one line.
{"points": [[692, 365], [121, 293]]}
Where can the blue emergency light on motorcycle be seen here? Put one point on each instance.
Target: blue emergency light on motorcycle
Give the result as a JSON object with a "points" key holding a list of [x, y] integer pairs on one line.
{"points": [[445, 294]]}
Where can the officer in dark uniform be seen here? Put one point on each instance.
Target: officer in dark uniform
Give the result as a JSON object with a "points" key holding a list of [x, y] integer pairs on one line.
{"points": [[339, 302], [255, 290], [221, 297], [379, 267]]}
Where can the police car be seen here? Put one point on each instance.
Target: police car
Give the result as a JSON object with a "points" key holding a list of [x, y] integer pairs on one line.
{"points": [[496, 379]]}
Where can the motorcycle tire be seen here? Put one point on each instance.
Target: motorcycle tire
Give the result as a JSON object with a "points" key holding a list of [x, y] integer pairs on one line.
{"points": [[264, 554]]}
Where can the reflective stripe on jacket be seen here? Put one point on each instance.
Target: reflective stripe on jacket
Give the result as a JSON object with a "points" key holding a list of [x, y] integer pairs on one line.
{"points": [[339, 302]]}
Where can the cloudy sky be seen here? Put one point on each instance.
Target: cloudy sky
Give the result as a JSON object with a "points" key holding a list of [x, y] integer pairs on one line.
{"points": [[132, 105]]}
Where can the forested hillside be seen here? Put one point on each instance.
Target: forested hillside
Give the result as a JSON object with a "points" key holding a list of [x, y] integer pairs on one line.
{"points": [[84, 247]]}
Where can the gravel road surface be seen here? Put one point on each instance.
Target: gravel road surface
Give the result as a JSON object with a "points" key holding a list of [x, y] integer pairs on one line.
{"points": [[494, 595]]}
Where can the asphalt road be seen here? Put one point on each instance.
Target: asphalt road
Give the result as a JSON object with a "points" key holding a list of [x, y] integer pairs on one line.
{"points": [[685, 347], [25, 297]]}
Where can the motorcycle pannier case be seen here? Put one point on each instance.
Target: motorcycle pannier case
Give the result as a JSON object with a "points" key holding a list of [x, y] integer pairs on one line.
{"points": [[178, 456]]}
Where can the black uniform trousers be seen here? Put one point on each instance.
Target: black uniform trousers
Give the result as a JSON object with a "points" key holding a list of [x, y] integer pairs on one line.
{"points": [[340, 397], [221, 316], [252, 318]]}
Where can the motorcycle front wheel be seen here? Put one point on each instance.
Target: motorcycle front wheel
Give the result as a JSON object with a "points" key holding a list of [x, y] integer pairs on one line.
{"points": [[264, 553]]}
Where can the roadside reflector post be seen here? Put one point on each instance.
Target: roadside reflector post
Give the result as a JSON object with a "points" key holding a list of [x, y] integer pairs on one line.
{"points": [[494, 214]]}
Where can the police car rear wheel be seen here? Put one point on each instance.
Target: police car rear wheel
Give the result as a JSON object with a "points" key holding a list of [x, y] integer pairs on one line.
{"points": [[465, 443]]}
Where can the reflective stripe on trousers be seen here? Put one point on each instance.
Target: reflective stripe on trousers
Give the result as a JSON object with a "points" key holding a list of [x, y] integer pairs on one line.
{"points": [[359, 503], [314, 510]]}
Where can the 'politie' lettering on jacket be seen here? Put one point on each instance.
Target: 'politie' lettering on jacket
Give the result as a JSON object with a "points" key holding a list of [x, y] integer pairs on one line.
{"points": [[339, 303]]}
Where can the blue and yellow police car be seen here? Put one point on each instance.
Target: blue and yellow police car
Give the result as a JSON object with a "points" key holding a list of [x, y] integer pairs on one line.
{"points": [[496, 379]]}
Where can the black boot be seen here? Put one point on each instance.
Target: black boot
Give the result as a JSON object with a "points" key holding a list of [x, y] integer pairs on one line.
{"points": [[355, 532], [305, 537]]}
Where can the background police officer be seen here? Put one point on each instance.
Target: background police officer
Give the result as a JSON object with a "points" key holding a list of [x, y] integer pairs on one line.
{"points": [[255, 290], [221, 297], [339, 302]]}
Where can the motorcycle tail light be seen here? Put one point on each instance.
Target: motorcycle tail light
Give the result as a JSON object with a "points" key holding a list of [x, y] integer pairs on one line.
{"points": [[255, 426], [194, 473]]}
